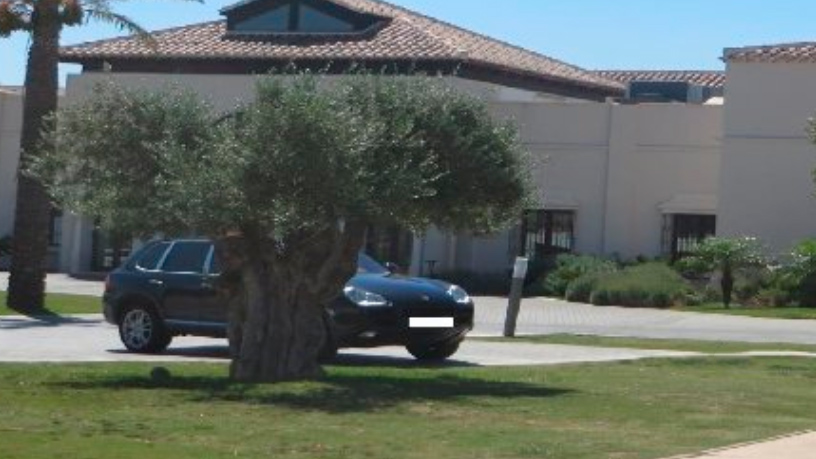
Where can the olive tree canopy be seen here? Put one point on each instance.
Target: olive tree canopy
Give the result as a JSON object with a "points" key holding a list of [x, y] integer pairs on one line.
{"points": [[287, 185]]}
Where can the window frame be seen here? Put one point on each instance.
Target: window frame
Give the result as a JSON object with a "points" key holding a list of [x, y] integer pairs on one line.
{"points": [[546, 221], [159, 262], [161, 266], [705, 227]]}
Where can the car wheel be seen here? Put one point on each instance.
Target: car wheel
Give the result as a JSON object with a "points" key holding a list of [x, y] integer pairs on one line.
{"points": [[141, 330], [440, 351]]}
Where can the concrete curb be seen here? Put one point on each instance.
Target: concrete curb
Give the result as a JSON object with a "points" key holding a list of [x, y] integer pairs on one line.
{"points": [[726, 449]]}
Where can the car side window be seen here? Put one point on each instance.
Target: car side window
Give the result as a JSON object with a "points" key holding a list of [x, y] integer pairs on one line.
{"points": [[186, 257], [151, 257]]}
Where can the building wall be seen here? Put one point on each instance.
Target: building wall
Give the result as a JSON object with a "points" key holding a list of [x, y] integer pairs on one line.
{"points": [[767, 187], [225, 92], [11, 119], [620, 168], [615, 165]]}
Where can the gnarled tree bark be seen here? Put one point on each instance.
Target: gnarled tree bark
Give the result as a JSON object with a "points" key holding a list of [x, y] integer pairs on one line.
{"points": [[278, 292]]}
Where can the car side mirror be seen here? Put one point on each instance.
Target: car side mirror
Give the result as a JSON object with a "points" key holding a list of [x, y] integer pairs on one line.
{"points": [[393, 267]]}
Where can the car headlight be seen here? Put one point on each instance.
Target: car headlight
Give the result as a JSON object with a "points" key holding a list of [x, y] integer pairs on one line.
{"points": [[364, 298], [458, 294]]}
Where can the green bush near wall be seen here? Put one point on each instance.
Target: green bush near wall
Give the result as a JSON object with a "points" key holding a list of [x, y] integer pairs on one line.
{"points": [[570, 268], [580, 290], [651, 285]]}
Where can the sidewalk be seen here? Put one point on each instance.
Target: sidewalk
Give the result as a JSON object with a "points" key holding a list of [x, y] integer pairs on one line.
{"points": [[546, 316], [798, 446]]}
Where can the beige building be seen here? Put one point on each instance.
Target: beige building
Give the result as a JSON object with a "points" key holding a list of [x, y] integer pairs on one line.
{"points": [[767, 187], [627, 163], [11, 114]]}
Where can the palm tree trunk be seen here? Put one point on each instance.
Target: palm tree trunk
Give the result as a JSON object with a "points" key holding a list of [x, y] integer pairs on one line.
{"points": [[30, 249]]}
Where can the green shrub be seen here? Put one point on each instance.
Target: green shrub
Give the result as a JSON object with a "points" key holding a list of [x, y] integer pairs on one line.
{"points": [[580, 290], [537, 272], [570, 268], [653, 285], [773, 297], [694, 298]]}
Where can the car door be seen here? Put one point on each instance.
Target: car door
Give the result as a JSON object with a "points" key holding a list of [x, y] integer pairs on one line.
{"points": [[182, 279], [214, 306]]}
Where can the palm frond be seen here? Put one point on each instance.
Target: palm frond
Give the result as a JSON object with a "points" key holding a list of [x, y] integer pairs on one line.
{"points": [[121, 22], [14, 16]]}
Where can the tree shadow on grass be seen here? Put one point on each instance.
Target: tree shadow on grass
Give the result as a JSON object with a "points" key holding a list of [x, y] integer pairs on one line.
{"points": [[41, 318], [346, 358], [336, 394]]}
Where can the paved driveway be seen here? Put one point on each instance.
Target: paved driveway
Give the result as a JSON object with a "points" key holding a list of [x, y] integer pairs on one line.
{"points": [[89, 339], [549, 316]]}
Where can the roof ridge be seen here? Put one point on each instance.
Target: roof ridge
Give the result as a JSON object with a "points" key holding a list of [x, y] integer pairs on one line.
{"points": [[151, 33], [658, 70], [612, 84], [730, 51]]}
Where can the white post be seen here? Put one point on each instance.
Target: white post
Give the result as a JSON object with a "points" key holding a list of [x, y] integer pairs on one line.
{"points": [[516, 291]]}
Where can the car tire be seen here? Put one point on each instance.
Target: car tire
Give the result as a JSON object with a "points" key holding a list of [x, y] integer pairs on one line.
{"points": [[142, 330], [440, 351]]}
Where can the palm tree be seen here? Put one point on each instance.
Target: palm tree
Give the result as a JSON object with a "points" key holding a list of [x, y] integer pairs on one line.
{"points": [[43, 20]]}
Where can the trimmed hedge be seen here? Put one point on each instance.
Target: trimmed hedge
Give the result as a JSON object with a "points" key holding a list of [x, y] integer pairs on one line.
{"points": [[570, 268], [651, 285]]}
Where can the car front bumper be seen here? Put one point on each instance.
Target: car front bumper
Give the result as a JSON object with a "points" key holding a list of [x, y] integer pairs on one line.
{"points": [[391, 326]]}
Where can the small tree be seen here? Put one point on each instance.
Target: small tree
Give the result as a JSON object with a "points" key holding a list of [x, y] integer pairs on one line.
{"points": [[798, 275], [728, 256], [287, 187]]}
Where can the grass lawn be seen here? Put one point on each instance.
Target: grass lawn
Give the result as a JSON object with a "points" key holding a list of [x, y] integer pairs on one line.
{"points": [[771, 313], [707, 347], [644, 410], [57, 304]]}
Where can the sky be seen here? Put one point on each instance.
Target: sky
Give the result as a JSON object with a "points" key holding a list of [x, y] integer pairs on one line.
{"points": [[594, 34]]}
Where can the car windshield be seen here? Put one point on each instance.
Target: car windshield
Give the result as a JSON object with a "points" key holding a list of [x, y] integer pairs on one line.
{"points": [[367, 265]]}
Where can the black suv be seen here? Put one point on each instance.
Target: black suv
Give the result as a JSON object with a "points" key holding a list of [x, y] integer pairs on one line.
{"points": [[167, 289]]}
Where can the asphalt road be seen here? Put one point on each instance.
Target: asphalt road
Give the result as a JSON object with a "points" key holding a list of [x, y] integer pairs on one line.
{"points": [[89, 339]]}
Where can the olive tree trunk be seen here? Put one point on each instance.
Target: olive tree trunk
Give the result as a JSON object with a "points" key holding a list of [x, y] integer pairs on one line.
{"points": [[278, 295]]}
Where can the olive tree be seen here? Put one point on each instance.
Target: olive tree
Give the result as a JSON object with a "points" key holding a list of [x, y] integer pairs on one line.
{"points": [[727, 256], [287, 186]]}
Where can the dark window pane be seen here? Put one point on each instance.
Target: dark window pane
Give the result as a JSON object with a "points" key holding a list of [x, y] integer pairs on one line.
{"points": [[547, 233], [312, 20], [690, 230], [276, 20], [149, 260], [186, 257]]}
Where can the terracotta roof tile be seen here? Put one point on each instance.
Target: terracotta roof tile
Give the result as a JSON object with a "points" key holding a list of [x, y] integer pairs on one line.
{"points": [[804, 52], [403, 35], [710, 78]]}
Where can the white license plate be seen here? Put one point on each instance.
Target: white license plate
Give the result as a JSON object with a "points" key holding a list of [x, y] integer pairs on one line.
{"points": [[431, 322]]}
